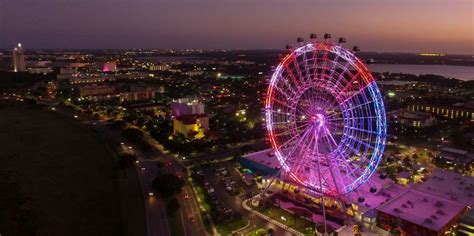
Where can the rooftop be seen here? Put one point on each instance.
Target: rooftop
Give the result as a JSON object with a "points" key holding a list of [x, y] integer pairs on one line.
{"points": [[449, 185], [264, 157], [454, 150], [423, 209], [386, 190]]}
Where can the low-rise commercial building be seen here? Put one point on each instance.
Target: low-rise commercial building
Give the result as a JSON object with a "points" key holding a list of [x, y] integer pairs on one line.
{"points": [[415, 119], [463, 112], [137, 93], [419, 213], [96, 90]]}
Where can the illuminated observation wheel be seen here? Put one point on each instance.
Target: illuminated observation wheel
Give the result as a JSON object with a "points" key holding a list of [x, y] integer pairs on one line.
{"points": [[325, 118]]}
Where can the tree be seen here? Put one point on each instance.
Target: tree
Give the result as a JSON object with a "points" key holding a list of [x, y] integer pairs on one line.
{"points": [[415, 157], [168, 184], [270, 231], [133, 134]]}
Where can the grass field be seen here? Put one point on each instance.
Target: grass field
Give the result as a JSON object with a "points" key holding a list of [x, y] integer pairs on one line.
{"points": [[258, 232], [291, 220], [57, 177], [228, 227]]}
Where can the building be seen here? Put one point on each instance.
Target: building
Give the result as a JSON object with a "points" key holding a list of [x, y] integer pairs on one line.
{"points": [[89, 79], [194, 73], [137, 93], [456, 159], [415, 119], [110, 66], [40, 70], [187, 106], [96, 91], [466, 224], [18, 59], [191, 125], [40, 67], [449, 185], [419, 213], [462, 112], [159, 67], [67, 73]]}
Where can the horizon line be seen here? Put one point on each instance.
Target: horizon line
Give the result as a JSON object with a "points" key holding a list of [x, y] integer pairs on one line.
{"points": [[231, 49]]}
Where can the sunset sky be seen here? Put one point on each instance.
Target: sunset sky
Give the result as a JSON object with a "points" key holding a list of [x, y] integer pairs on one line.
{"points": [[375, 25]]}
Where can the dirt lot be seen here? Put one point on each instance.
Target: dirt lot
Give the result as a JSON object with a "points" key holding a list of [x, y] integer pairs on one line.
{"points": [[56, 177]]}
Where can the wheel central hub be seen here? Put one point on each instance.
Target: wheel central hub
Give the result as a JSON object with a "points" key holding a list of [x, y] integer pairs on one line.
{"points": [[318, 120]]}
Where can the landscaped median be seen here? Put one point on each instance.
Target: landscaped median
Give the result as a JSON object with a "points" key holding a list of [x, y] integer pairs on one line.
{"points": [[258, 232], [282, 218], [227, 228]]}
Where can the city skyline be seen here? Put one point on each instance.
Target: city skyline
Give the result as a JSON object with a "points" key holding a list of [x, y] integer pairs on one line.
{"points": [[237, 117], [389, 26]]}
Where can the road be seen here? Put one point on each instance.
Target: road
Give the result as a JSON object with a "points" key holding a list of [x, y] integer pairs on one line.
{"points": [[157, 220], [189, 207]]}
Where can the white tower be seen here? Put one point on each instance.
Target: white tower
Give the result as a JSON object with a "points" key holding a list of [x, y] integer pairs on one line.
{"points": [[18, 59]]}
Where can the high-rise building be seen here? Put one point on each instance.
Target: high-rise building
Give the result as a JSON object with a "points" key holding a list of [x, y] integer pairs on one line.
{"points": [[18, 59]]}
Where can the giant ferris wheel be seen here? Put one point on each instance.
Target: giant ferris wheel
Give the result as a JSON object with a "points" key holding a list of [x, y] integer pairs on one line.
{"points": [[325, 118]]}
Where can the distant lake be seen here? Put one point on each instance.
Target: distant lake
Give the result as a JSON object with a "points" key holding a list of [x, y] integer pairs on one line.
{"points": [[457, 72]]}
